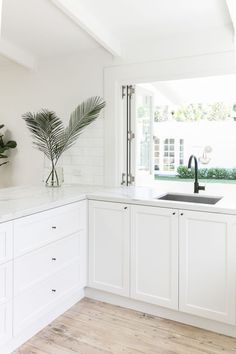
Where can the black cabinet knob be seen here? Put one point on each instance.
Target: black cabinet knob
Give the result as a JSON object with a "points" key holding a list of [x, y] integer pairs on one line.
{"points": [[53, 290], [54, 259], [54, 227]]}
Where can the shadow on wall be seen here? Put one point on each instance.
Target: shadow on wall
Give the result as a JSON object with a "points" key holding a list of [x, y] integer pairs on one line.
{"points": [[6, 171]]}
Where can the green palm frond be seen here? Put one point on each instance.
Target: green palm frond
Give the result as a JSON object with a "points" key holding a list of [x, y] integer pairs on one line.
{"points": [[48, 130], [80, 118]]}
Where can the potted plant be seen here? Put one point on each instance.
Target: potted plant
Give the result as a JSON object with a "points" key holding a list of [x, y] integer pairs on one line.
{"points": [[53, 139], [5, 146]]}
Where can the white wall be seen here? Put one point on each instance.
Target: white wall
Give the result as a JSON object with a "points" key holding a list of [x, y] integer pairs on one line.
{"points": [[59, 85]]}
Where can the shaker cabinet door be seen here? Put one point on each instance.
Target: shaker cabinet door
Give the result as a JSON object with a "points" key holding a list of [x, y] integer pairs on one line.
{"points": [[109, 247], [207, 265], [154, 255]]}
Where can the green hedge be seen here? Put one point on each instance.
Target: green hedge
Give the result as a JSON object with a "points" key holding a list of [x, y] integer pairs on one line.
{"points": [[207, 173]]}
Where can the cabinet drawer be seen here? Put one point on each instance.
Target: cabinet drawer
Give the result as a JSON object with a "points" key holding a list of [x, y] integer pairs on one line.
{"points": [[6, 244], [5, 282], [33, 303], [37, 265], [37, 230], [5, 323]]}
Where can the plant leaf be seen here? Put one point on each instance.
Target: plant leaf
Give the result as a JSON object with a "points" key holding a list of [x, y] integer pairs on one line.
{"points": [[80, 118], [49, 134], [11, 144], [46, 129]]}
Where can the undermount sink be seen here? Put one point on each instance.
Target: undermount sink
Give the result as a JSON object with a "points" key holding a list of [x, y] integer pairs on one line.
{"points": [[190, 198]]}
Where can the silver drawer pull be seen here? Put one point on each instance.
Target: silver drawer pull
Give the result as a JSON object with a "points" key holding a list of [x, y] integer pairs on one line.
{"points": [[54, 227], [53, 290], [54, 259]]}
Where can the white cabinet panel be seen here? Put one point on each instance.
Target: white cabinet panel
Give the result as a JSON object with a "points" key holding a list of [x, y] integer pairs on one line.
{"points": [[37, 230], [36, 300], [39, 264], [6, 242], [5, 282], [109, 241], [5, 323], [154, 255], [207, 265]]}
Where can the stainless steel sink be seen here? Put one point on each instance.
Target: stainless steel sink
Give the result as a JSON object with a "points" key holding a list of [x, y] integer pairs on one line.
{"points": [[190, 198]]}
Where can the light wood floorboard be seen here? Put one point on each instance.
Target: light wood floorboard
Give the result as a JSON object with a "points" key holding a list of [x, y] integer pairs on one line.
{"points": [[93, 327]]}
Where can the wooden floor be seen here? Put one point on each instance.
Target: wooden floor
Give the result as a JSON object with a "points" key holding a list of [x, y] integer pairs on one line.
{"points": [[92, 327]]}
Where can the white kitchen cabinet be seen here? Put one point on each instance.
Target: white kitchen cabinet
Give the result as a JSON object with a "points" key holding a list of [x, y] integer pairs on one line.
{"points": [[207, 259], [6, 242], [5, 323], [50, 264], [34, 231], [5, 303], [33, 303], [39, 264], [109, 245], [6, 275], [154, 255]]}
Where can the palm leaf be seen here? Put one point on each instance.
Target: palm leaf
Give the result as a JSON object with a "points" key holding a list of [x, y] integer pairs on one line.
{"points": [[80, 118], [49, 134], [46, 129]]}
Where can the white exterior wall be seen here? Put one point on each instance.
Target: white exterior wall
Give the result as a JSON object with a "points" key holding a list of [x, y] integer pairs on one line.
{"points": [[221, 136]]}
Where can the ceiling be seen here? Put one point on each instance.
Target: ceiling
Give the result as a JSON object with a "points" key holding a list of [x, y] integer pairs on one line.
{"points": [[205, 89], [132, 20], [43, 29]]}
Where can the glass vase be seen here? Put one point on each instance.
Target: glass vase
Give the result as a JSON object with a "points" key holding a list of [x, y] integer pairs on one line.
{"points": [[55, 177]]}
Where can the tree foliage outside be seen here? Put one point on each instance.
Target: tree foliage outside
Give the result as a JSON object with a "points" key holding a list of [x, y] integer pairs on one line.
{"points": [[217, 111]]}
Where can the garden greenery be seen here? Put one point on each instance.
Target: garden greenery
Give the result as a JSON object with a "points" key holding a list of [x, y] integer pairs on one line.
{"points": [[207, 173]]}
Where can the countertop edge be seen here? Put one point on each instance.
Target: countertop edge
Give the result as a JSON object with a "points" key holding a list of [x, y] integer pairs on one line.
{"points": [[127, 195]]}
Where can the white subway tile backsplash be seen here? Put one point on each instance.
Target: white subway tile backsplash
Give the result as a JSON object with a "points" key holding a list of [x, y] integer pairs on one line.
{"points": [[98, 180], [84, 162]]}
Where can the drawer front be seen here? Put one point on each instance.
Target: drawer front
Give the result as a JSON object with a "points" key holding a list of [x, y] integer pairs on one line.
{"points": [[6, 242], [29, 305], [5, 282], [37, 230], [5, 323], [37, 265]]}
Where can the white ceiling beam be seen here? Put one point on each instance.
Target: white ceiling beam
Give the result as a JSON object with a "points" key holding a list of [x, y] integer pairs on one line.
{"points": [[81, 16], [17, 55]]}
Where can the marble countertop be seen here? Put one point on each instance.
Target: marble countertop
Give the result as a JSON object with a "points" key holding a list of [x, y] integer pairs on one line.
{"points": [[17, 202]]}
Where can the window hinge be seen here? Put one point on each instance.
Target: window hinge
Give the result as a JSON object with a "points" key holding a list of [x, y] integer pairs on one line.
{"points": [[123, 92], [123, 179], [131, 135], [131, 179], [127, 90], [131, 90]]}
